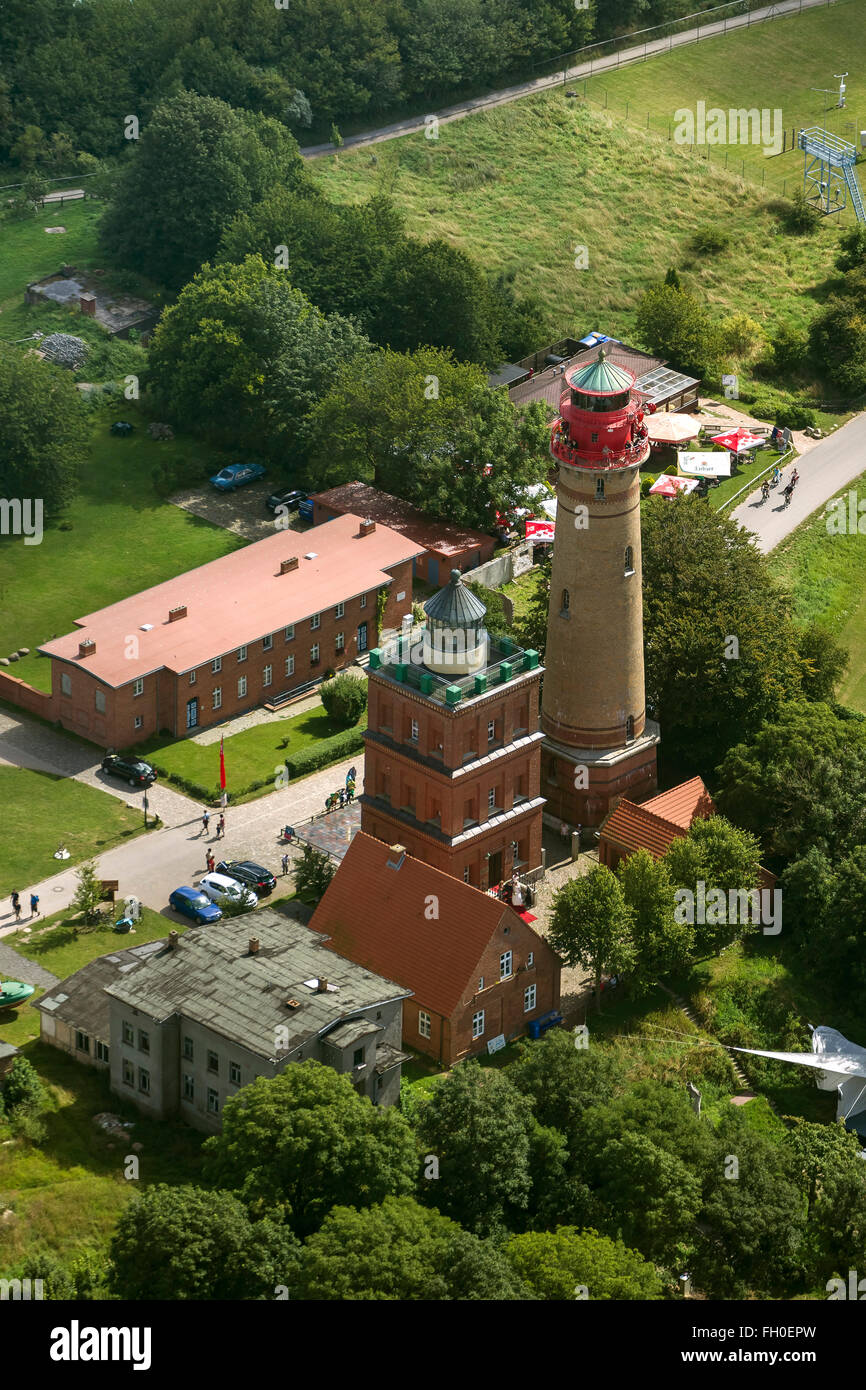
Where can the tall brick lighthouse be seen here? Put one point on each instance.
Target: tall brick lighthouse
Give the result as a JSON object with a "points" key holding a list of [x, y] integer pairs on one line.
{"points": [[598, 743]]}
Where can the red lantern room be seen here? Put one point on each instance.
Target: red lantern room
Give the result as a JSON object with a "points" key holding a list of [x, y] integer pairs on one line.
{"points": [[601, 419]]}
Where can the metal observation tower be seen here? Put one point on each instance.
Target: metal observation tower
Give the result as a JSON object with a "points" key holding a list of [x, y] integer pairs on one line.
{"points": [[828, 172]]}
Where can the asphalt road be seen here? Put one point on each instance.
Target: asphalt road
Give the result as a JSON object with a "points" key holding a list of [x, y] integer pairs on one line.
{"points": [[833, 463]]}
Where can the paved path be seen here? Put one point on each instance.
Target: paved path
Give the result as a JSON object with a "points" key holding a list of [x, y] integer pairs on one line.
{"points": [[830, 465], [24, 742], [153, 864], [589, 69], [16, 967]]}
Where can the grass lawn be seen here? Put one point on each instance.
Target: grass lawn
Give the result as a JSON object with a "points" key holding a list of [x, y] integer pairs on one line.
{"points": [[67, 1193], [520, 186], [63, 945], [253, 755], [772, 65], [827, 576], [116, 538], [40, 810], [722, 497], [29, 253]]}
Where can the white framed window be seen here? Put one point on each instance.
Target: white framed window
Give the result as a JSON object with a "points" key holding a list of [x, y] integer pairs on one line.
{"points": [[362, 602], [505, 965], [192, 677], [315, 621], [491, 799], [466, 873], [143, 1041], [188, 1086], [290, 665], [213, 1101], [99, 700], [339, 610], [65, 684], [128, 1035], [290, 632], [340, 642], [242, 687], [413, 731], [530, 959], [138, 686], [529, 998], [267, 643], [102, 1053], [478, 1024], [267, 675], [423, 1023], [217, 665], [242, 653], [82, 1041], [218, 698], [138, 721], [314, 654], [481, 982], [491, 730]]}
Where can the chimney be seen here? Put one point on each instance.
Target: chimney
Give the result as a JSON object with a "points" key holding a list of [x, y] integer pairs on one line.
{"points": [[87, 647], [254, 945], [322, 987], [173, 938], [398, 854], [293, 1003], [367, 527], [177, 612], [286, 566], [87, 304]]}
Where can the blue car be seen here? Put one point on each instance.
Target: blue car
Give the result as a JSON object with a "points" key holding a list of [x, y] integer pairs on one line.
{"points": [[305, 509], [237, 474], [193, 903]]}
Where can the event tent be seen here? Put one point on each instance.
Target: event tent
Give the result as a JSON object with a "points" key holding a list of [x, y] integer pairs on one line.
{"points": [[840, 1067], [739, 440], [668, 486], [673, 428]]}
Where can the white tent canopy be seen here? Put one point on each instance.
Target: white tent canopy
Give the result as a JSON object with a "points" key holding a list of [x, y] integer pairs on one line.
{"points": [[841, 1067]]}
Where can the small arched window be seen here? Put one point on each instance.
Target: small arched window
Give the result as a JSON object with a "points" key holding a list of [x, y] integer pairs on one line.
{"points": [[566, 601], [599, 487], [629, 560], [629, 728]]}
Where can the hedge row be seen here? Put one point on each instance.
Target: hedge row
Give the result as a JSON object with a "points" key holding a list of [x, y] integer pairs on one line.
{"points": [[330, 751]]}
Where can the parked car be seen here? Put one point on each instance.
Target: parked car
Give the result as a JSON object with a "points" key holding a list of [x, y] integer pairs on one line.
{"points": [[261, 880], [220, 889], [192, 903], [289, 499], [136, 772], [305, 509], [236, 475], [122, 427]]}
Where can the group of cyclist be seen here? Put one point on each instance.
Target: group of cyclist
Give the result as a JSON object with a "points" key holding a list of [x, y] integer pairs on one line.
{"points": [[775, 479]]}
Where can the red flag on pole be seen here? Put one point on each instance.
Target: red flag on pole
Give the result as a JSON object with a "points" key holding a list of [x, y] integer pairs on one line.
{"points": [[222, 768]]}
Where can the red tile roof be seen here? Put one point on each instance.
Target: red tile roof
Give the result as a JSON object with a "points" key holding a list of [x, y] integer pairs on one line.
{"points": [[682, 804], [633, 827], [235, 600], [440, 536], [375, 916]]}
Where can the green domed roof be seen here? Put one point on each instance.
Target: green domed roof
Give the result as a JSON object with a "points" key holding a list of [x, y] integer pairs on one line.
{"points": [[602, 378], [455, 605]]}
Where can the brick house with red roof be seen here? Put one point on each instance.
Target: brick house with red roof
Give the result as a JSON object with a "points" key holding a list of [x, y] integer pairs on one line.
{"points": [[238, 632], [445, 546], [654, 824], [475, 967]]}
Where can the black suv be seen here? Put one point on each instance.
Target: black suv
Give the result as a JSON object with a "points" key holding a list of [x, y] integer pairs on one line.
{"points": [[250, 875], [132, 770], [290, 499]]}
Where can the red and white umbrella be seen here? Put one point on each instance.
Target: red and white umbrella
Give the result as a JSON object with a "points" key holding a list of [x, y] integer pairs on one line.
{"points": [[739, 440], [668, 486]]}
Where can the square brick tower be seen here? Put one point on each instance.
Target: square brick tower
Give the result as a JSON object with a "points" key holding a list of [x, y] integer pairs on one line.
{"points": [[453, 748], [599, 744]]}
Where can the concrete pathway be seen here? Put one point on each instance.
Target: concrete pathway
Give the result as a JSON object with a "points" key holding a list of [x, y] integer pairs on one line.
{"points": [[830, 465], [16, 967], [597, 65], [154, 864], [24, 742]]}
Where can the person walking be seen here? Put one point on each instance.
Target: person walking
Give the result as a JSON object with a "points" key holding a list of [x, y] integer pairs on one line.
{"points": [[221, 827], [205, 821], [350, 791], [210, 860], [351, 775], [285, 865], [16, 906], [34, 904]]}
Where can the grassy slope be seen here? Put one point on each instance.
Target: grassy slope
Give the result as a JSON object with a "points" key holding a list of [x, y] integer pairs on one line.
{"points": [[40, 810], [521, 186], [123, 538], [28, 252]]}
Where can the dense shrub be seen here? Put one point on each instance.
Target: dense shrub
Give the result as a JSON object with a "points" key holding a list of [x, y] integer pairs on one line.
{"points": [[330, 751], [707, 241], [345, 699]]}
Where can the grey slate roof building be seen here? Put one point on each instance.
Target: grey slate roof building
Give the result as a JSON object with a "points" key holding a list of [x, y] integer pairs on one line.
{"points": [[76, 1012], [205, 1013]]}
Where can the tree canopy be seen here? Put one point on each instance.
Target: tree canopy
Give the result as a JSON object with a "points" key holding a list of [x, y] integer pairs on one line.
{"points": [[591, 925], [558, 1265], [45, 430]]}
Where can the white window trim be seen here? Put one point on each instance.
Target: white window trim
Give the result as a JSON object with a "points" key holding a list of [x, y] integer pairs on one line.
{"points": [[267, 643], [290, 665], [267, 676], [216, 665], [339, 610], [315, 622], [530, 995], [138, 687], [290, 632], [424, 1023], [217, 700], [315, 654], [478, 1025], [506, 965], [242, 687], [242, 654]]}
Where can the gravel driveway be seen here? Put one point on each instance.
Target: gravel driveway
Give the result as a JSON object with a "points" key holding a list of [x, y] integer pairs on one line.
{"points": [[242, 512]]}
